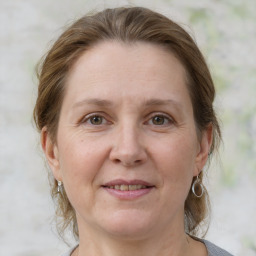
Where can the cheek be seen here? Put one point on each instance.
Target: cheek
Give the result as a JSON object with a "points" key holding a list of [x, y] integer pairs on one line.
{"points": [[80, 161], [176, 161]]}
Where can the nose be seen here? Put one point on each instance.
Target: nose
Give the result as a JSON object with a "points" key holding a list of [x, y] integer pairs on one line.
{"points": [[128, 148]]}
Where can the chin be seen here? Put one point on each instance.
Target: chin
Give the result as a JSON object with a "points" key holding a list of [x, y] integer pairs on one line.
{"points": [[127, 224]]}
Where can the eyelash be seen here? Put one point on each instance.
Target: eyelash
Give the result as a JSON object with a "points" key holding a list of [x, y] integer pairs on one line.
{"points": [[167, 120], [89, 117]]}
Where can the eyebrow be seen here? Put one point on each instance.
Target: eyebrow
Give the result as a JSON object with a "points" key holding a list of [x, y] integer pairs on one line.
{"points": [[161, 102], [94, 101], [108, 103]]}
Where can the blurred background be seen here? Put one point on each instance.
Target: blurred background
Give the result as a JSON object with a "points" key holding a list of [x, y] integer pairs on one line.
{"points": [[225, 31]]}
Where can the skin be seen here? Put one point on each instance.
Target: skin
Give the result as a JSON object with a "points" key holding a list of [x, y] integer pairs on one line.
{"points": [[143, 128]]}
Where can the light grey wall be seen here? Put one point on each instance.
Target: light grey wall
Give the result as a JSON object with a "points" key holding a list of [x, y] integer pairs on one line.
{"points": [[225, 31]]}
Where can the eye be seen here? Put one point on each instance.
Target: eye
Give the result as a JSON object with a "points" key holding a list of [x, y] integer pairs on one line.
{"points": [[160, 120], [94, 119]]}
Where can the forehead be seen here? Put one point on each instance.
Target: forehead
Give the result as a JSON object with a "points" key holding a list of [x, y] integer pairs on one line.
{"points": [[118, 52], [117, 70]]}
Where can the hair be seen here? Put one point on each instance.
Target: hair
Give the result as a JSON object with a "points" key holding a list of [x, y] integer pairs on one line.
{"points": [[126, 25]]}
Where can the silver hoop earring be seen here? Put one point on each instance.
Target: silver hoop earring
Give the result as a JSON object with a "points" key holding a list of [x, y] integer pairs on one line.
{"points": [[197, 182], [59, 186]]}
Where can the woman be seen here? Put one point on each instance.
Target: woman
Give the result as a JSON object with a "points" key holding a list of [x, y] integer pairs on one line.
{"points": [[125, 110]]}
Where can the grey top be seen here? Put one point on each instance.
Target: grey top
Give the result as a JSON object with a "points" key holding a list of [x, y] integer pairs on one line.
{"points": [[213, 250]]}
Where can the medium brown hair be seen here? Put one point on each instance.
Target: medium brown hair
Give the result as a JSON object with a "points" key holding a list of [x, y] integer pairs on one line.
{"points": [[125, 25]]}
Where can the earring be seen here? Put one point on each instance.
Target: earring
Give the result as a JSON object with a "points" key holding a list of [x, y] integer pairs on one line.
{"points": [[197, 182], [59, 186]]}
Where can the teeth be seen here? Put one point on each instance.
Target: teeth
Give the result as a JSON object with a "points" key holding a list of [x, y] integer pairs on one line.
{"points": [[125, 187], [133, 187]]}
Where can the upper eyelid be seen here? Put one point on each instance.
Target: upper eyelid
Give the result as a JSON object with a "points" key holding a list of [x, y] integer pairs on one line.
{"points": [[88, 116], [107, 117], [164, 115], [160, 114]]}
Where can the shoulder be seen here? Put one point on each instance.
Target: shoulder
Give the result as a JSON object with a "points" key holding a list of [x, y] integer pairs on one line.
{"points": [[214, 250]]}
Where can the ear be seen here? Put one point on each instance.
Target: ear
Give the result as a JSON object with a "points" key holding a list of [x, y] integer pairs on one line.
{"points": [[51, 152], [204, 149]]}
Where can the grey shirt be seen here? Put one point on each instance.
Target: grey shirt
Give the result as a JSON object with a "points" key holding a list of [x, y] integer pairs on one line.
{"points": [[213, 250]]}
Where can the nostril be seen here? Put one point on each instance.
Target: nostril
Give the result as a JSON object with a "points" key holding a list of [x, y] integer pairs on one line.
{"points": [[117, 161], [128, 156], [131, 163], [127, 163]]}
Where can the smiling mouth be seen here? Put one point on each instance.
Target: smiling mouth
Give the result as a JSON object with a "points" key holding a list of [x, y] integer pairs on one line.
{"points": [[128, 189], [125, 187]]}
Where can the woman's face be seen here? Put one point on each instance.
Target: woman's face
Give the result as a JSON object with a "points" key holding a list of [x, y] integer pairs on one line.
{"points": [[127, 147]]}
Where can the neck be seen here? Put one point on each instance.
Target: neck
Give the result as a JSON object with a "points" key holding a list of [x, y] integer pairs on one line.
{"points": [[134, 248], [164, 243]]}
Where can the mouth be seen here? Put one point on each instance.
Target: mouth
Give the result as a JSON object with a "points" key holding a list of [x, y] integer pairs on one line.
{"points": [[125, 187], [128, 189]]}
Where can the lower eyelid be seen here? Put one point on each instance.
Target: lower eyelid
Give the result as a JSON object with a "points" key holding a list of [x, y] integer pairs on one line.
{"points": [[166, 118], [86, 119]]}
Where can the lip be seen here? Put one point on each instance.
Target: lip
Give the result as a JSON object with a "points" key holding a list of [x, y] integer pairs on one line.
{"points": [[128, 194], [127, 182]]}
